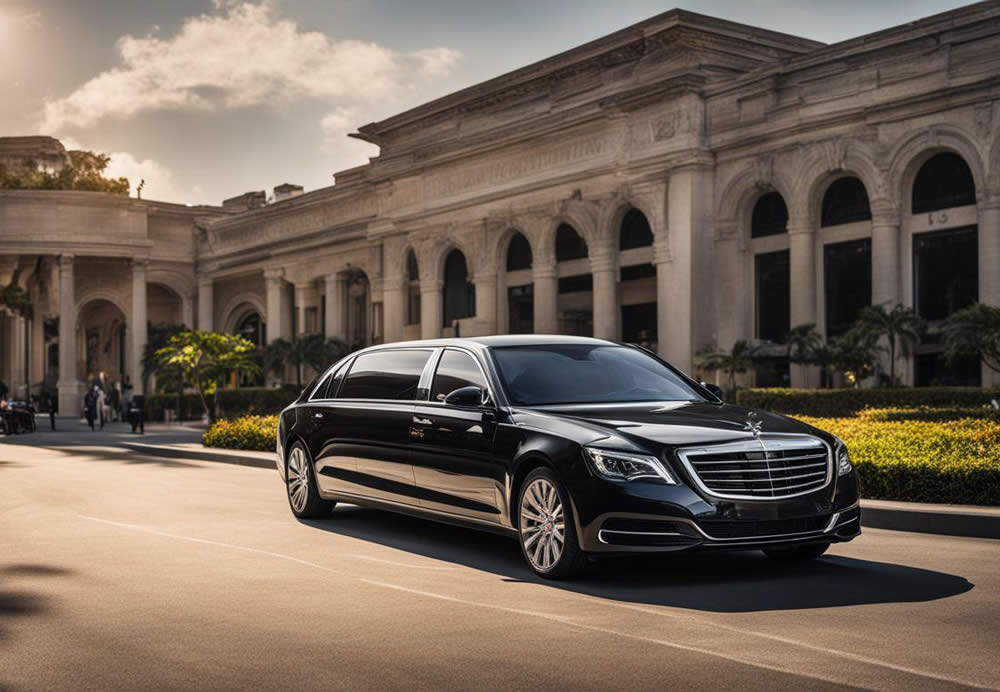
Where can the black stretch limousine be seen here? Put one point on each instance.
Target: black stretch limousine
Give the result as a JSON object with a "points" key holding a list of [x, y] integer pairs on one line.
{"points": [[576, 446]]}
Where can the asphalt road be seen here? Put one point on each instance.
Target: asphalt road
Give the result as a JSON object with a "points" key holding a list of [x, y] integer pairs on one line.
{"points": [[119, 571]]}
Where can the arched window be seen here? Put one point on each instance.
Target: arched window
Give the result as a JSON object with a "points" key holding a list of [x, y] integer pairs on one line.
{"points": [[770, 216], [635, 231], [569, 244], [944, 181], [845, 201], [459, 294], [412, 289], [518, 253], [251, 328]]}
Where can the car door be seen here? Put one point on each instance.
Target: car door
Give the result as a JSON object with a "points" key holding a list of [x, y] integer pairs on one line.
{"points": [[451, 447], [365, 429]]}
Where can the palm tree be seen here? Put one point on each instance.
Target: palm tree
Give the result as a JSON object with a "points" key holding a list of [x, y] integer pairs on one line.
{"points": [[973, 331], [737, 360], [306, 349], [855, 353], [901, 326], [802, 341]]}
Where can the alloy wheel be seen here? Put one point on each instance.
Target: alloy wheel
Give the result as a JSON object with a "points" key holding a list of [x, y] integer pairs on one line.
{"points": [[298, 479], [543, 524]]}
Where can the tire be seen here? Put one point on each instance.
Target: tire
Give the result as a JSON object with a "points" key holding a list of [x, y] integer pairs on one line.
{"points": [[543, 508], [798, 553], [300, 486]]}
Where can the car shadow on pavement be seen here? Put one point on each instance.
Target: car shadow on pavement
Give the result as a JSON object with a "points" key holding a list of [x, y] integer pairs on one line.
{"points": [[743, 581]]}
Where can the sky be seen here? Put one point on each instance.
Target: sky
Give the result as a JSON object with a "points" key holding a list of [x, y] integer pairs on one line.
{"points": [[207, 99]]}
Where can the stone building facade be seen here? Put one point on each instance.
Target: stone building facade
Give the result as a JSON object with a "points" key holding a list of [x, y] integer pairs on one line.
{"points": [[686, 182]]}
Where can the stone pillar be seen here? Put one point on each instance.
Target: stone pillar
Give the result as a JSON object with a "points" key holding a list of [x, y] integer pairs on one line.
{"points": [[335, 306], [546, 295], [662, 260], [206, 304], [300, 308], [886, 286], [393, 309], [18, 357], [137, 321], [802, 279], [69, 387], [486, 302], [274, 279], [605, 296], [431, 308], [989, 265], [37, 338]]}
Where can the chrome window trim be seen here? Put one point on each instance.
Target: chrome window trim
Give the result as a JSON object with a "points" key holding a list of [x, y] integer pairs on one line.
{"points": [[755, 444], [437, 362]]}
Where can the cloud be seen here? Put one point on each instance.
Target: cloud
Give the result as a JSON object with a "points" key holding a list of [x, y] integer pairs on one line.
{"points": [[160, 184], [243, 55]]}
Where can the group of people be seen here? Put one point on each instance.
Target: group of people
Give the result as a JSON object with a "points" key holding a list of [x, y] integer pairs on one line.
{"points": [[117, 403]]}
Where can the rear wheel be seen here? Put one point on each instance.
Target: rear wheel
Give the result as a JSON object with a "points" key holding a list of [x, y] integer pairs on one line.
{"points": [[801, 552], [546, 527], [303, 495]]}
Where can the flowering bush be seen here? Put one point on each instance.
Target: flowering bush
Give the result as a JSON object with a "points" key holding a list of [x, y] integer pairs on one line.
{"points": [[255, 433]]}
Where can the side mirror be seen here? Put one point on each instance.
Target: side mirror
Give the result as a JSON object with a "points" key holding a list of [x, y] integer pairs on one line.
{"points": [[714, 388], [466, 396]]}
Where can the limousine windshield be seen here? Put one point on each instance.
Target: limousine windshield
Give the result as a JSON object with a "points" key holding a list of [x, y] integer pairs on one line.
{"points": [[555, 374]]}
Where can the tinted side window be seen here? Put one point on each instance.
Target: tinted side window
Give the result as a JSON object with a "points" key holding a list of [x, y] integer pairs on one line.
{"points": [[455, 370], [385, 375], [334, 383]]}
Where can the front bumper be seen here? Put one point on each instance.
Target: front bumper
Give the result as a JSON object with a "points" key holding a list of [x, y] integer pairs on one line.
{"points": [[652, 517]]}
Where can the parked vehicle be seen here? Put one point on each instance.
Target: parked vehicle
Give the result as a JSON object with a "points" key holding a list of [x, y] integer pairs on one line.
{"points": [[16, 417], [576, 446]]}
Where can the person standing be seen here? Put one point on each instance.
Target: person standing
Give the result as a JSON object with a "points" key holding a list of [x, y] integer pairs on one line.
{"points": [[52, 401], [90, 406], [101, 403]]}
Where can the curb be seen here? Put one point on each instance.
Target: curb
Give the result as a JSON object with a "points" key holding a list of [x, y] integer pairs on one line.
{"points": [[201, 455], [948, 520]]}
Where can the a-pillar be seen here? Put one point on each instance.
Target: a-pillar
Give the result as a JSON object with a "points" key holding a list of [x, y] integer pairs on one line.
{"points": [[430, 308], [546, 295], [604, 269], [206, 304], [989, 261], [137, 322], [486, 302], [802, 280], [335, 327], [275, 282], [392, 309], [69, 387]]}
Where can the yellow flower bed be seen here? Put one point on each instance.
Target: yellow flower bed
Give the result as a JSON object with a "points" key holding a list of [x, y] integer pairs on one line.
{"points": [[248, 432]]}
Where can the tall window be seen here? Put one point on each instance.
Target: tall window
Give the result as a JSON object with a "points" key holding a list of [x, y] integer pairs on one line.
{"points": [[770, 216], [413, 289], [459, 293], [847, 276], [518, 253], [635, 231], [944, 181], [773, 288], [569, 244], [845, 201]]}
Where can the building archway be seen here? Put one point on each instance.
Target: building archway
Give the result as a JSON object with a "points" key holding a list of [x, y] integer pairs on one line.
{"points": [[520, 288], [575, 302], [637, 279], [102, 342], [459, 293], [771, 286]]}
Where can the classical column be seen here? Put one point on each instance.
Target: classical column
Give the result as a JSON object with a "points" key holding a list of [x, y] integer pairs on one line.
{"points": [[546, 295], [802, 280], [605, 296], [300, 308], [274, 279], [335, 306], [486, 301], [206, 304], [69, 387], [187, 310], [430, 308], [989, 264], [393, 317], [886, 286], [138, 322], [37, 339], [663, 262]]}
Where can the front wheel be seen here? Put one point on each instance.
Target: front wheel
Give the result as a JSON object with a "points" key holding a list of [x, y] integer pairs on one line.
{"points": [[546, 528], [303, 495], [802, 552]]}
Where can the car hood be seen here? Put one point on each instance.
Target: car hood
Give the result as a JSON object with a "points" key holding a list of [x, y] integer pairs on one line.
{"points": [[664, 423]]}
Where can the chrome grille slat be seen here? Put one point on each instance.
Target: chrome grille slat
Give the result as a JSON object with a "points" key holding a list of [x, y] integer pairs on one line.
{"points": [[771, 466]]}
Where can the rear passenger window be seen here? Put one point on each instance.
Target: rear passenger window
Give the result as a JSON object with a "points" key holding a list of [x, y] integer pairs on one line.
{"points": [[455, 370], [385, 375], [332, 384]]}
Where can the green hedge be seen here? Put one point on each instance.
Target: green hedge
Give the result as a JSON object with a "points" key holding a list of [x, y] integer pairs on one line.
{"points": [[247, 432], [923, 455], [231, 402], [847, 402]]}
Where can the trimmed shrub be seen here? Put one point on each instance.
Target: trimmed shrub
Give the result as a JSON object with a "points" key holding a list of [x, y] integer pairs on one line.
{"points": [[835, 403], [231, 403], [255, 433]]}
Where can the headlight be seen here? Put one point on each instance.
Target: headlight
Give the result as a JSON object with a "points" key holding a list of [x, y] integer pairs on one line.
{"points": [[622, 466], [843, 458]]}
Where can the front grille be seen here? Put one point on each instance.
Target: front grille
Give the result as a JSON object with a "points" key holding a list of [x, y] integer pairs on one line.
{"points": [[767, 527], [764, 468]]}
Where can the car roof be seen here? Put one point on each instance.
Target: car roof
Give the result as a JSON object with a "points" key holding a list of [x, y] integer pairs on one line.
{"points": [[499, 341]]}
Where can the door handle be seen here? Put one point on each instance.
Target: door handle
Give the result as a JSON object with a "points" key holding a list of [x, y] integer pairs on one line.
{"points": [[318, 415], [422, 421]]}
